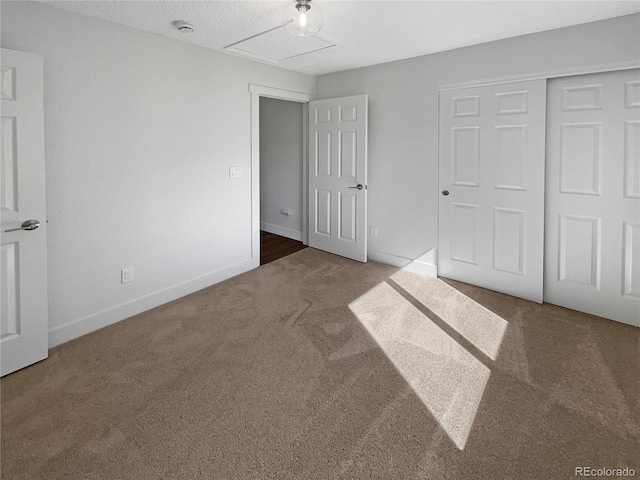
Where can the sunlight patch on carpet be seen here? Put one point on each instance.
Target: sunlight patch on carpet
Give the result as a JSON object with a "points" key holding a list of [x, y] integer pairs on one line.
{"points": [[446, 377], [483, 328]]}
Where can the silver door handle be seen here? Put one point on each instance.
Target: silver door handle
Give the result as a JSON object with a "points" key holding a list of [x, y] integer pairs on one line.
{"points": [[27, 225], [359, 186]]}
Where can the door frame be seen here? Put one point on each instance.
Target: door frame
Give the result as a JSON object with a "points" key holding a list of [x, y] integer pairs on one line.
{"points": [[258, 91]]}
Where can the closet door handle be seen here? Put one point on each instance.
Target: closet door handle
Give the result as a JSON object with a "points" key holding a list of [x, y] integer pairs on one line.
{"points": [[359, 186], [445, 192]]}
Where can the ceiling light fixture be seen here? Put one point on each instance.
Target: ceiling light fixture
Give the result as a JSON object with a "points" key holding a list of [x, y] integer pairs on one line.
{"points": [[302, 19]]}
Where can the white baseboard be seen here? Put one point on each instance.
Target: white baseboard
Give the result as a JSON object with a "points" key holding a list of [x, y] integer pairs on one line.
{"points": [[282, 231], [96, 321], [416, 266]]}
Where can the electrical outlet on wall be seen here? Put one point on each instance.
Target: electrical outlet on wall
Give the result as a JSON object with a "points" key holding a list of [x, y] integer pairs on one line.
{"points": [[373, 232], [235, 172], [126, 275]]}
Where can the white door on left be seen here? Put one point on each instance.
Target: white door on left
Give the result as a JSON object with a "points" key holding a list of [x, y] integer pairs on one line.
{"points": [[23, 282]]}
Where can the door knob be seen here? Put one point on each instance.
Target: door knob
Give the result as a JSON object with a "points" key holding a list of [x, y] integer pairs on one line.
{"points": [[27, 225], [359, 186], [445, 192]]}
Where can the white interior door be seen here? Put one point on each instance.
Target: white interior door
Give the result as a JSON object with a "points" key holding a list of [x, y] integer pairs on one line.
{"points": [[491, 210], [23, 282], [593, 195], [338, 176]]}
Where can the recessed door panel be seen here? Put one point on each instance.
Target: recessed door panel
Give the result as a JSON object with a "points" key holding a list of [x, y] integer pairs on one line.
{"points": [[584, 97], [348, 154], [580, 148], [7, 83], [466, 155], [322, 153], [465, 106], [631, 287], [323, 212], [512, 103], [347, 212], [9, 286], [322, 115], [512, 152], [8, 165], [632, 159], [579, 247], [632, 94], [463, 239], [509, 240], [348, 113]]}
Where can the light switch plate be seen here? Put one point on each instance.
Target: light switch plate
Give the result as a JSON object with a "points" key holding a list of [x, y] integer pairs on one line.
{"points": [[235, 172]]}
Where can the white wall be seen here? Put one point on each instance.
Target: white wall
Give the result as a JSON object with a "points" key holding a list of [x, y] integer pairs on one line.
{"points": [[403, 117], [281, 155], [140, 132]]}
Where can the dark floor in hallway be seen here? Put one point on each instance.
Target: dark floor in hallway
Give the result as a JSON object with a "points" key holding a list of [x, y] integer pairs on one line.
{"points": [[273, 247]]}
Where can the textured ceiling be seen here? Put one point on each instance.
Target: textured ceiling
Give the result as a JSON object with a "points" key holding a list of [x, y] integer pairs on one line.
{"points": [[364, 32]]}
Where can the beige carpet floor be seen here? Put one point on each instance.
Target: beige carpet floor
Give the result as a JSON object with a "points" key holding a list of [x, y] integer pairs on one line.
{"points": [[317, 367]]}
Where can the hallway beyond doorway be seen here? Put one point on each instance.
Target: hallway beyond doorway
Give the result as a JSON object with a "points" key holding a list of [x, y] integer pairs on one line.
{"points": [[273, 247]]}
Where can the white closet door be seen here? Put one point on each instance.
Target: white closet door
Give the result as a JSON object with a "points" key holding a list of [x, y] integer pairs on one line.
{"points": [[592, 241], [492, 181]]}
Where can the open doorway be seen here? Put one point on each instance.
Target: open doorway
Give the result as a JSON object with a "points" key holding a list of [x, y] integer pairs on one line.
{"points": [[338, 215], [282, 165]]}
